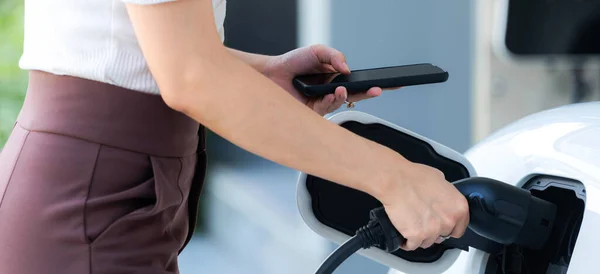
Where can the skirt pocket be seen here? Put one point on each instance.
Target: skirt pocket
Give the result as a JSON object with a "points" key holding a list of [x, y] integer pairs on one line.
{"points": [[9, 156]]}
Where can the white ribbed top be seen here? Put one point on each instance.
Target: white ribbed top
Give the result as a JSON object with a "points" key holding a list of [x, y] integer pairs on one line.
{"points": [[91, 39]]}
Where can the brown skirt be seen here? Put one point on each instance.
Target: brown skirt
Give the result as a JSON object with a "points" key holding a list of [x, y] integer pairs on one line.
{"points": [[97, 179]]}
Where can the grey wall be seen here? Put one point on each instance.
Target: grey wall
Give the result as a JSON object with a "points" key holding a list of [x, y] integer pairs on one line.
{"points": [[393, 32]]}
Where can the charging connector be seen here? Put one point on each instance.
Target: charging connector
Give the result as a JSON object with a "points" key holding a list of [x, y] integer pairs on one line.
{"points": [[498, 211]]}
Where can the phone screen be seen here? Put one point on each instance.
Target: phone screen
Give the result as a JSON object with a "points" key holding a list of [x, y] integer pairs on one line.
{"points": [[370, 74]]}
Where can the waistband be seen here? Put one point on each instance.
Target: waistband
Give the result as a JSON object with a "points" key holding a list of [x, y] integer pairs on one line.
{"points": [[108, 115]]}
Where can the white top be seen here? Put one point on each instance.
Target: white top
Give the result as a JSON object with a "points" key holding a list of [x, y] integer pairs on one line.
{"points": [[91, 39]]}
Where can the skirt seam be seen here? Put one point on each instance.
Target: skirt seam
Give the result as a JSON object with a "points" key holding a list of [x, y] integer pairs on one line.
{"points": [[170, 227], [14, 167], [179, 179], [87, 196]]}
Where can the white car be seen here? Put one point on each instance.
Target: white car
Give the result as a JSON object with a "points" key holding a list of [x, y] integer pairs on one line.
{"points": [[554, 154]]}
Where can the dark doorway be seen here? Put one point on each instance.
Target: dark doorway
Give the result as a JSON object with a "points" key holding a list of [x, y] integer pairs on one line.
{"points": [[258, 26], [261, 26]]}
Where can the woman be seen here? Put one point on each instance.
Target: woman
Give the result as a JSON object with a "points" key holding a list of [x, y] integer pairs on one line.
{"points": [[104, 167]]}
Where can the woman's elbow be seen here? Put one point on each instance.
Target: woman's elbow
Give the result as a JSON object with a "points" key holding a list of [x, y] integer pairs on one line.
{"points": [[174, 99], [182, 91], [189, 85]]}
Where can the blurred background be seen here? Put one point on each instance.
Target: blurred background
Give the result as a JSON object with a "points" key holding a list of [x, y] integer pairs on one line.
{"points": [[504, 64]]}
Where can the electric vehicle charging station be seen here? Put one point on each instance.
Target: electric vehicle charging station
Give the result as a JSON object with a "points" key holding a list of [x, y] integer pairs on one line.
{"points": [[552, 154]]}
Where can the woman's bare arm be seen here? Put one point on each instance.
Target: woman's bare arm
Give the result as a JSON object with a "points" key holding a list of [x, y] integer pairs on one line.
{"points": [[198, 76], [257, 61]]}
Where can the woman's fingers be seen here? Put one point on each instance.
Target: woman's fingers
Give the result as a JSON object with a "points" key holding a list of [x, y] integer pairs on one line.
{"points": [[321, 106], [371, 93], [341, 95], [327, 68], [461, 209], [330, 102]]}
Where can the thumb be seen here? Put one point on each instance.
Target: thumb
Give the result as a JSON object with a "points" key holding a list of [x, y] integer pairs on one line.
{"points": [[315, 59], [330, 56]]}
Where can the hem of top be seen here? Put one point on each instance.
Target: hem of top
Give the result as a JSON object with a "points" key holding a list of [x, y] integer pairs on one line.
{"points": [[86, 66]]}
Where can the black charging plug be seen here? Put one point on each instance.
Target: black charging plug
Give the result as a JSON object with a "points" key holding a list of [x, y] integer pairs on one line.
{"points": [[391, 239], [498, 211], [507, 214]]}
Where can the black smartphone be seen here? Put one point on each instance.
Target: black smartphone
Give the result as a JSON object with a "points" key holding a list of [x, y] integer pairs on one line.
{"points": [[357, 81]]}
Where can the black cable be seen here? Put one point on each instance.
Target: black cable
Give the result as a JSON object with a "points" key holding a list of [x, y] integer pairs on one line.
{"points": [[340, 255], [378, 232]]}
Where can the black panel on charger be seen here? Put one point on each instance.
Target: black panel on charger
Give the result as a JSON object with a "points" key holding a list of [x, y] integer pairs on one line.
{"points": [[543, 27], [345, 209]]}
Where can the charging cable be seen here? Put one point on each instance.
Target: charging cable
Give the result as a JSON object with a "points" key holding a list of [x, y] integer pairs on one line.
{"points": [[379, 232]]}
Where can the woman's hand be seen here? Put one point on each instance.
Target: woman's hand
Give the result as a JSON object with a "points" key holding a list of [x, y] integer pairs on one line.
{"points": [[314, 59], [423, 206]]}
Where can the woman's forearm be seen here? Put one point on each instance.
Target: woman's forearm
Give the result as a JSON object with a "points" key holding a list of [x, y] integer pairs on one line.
{"points": [[204, 80], [257, 61], [254, 113]]}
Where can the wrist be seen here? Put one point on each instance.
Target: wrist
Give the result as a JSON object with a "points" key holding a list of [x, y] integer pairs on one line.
{"points": [[260, 63], [269, 65], [387, 175]]}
